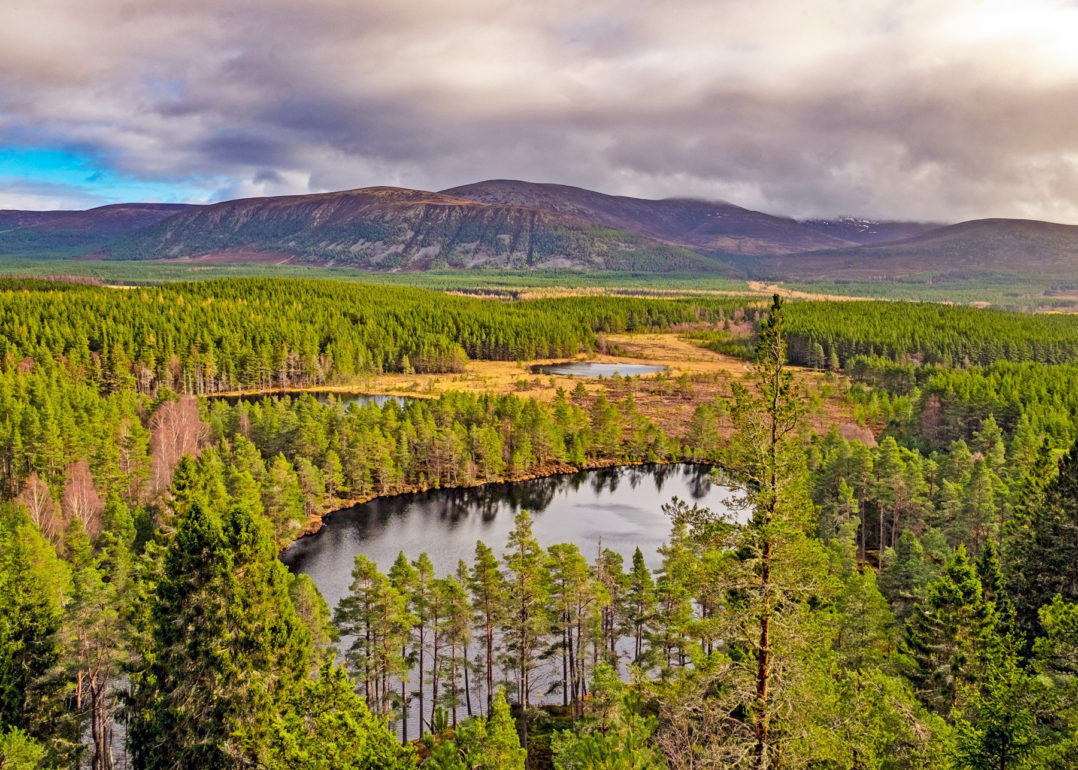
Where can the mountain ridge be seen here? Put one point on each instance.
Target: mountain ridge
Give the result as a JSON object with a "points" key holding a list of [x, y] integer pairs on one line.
{"points": [[994, 244], [523, 225], [401, 228], [715, 227]]}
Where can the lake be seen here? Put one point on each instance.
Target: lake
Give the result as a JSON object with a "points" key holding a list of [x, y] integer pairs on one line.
{"points": [[621, 507], [588, 369]]}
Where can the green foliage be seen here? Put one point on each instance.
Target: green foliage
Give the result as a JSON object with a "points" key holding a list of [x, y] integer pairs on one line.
{"points": [[167, 572], [616, 735], [948, 335], [222, 335], [481, 743], [945, 638], [34, 584], [1043, 543], [326, 726], [225, 647], [313, 611], [18, 751]]}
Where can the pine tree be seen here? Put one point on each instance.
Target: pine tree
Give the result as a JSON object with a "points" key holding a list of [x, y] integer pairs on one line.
{"points": [[945, 638], [18, 751], [375, 617], [575, 600], [327, 726], [775, 575], [640, 601], [34, 583], [313, 611], [95, 638], [1042, 553], [526, 608], [776, 557], [905, 575], [488, 591], [225, 650], [404, 578], [421, 603], [480, 743], [998, 727], [616, 736]]}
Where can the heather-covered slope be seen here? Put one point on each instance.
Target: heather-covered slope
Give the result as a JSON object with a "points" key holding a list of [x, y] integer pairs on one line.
{"points": [[394, 228]]}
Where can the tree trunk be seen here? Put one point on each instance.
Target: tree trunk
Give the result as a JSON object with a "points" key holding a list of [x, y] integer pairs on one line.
{"points": [[490, 664], [422, 679], [467, 685]]}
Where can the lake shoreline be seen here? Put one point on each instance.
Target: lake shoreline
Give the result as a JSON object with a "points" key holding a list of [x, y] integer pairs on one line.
{"points": [[317, 521]]}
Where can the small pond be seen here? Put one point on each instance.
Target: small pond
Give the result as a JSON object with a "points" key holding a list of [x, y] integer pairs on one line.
{"points": [[590, 369]]}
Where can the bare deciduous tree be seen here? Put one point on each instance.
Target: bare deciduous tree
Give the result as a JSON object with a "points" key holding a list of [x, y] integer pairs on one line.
{"points": [[41, 506], [178, 430], [81, 500]]}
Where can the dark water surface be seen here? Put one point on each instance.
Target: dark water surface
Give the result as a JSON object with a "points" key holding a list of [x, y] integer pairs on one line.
{"points": [[622, 506], [586, 369]]}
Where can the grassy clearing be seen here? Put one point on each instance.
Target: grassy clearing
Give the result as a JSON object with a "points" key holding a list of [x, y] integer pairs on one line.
{"points": [[694, 376]]}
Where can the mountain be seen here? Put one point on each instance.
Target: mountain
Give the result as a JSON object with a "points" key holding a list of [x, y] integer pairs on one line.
{"points": [[394, 228], [999, 245], [67, 233], [712, 227], [514, 224], [867, 231]]}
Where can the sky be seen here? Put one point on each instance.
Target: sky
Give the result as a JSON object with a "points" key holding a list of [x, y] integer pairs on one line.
{"points": [[937, 110]]}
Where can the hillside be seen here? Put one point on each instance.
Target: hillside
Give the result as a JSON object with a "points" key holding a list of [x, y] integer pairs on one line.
{"points": [[63, 233], [522, 225], [866, 232], [393, 228], [712, 227], [1005, 245]]}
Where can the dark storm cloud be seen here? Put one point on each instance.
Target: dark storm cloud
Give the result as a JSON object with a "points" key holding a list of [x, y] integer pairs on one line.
{"points": [[893, 109]]}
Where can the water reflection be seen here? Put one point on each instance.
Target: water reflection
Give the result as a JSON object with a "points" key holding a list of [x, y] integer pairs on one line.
{"points": [[588, 369], [622, 507], [619, 507]]}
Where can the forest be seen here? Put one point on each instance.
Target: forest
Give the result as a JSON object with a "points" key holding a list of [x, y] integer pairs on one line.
{"points": [[909, 601]]}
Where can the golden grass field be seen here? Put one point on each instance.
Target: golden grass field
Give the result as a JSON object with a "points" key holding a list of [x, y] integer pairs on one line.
{"points": [[695, 375]]}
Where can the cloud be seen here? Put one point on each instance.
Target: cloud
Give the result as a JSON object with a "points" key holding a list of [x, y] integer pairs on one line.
{"points": [[911, 109], [30, 195]]}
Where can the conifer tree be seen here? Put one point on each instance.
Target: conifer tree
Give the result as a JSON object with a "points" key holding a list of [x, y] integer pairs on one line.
{"points": [[95, 638], [945, 638], [34, 584], [774, 573], [226, 649], [374, 615], [326, 726], [313, 611], [1042, 556], [422, 600], [488, 591], [404, 577], [905, 575], [640, 601], [779, 565], [481, 743], [526, 608]]}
